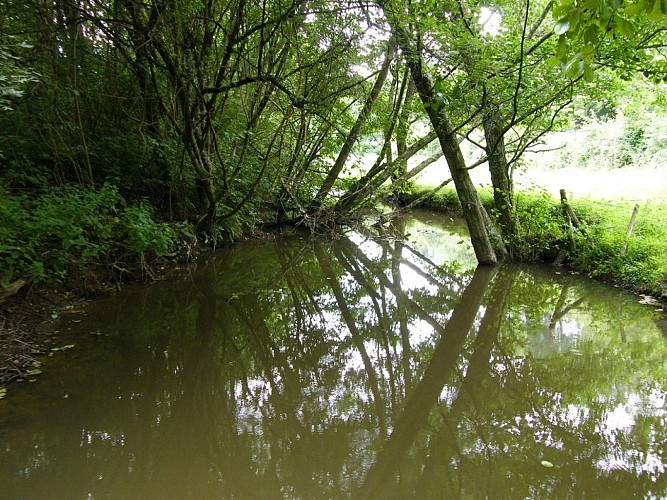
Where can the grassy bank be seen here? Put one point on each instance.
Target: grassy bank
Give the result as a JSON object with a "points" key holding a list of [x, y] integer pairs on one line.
{"points": [[600, 248]]}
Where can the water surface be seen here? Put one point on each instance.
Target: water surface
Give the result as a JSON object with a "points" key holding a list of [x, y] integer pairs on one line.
{"points": [[384, 367]]}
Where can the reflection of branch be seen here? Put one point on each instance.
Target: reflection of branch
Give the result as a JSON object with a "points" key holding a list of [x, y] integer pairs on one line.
{"points": [[489, 327], [527, 395], [423, 257], [410, 304], [357, 337], [406, 347], [560, 311], [414, 418], [295, 281]]}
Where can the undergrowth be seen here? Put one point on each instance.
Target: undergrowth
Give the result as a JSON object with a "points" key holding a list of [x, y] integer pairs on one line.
{"points": [[42, 237], [639, 261]]}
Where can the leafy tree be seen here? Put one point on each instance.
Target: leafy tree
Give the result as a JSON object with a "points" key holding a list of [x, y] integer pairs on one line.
{"points": [[587, 29], [13, 74]]}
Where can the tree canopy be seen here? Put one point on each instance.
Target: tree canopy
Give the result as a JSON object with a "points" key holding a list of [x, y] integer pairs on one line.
{"points": [[229, 113]]}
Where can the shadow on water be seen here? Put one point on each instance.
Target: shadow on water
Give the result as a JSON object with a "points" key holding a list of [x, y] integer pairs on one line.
{"points": [[354, 367]]}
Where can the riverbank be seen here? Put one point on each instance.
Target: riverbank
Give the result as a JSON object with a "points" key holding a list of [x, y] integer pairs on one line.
{"points": [[609, 245], [600, 249], [29, 319], [30, 316]]}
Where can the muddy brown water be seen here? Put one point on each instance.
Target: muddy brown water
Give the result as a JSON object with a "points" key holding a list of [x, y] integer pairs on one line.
{"points": [[352, 367]]}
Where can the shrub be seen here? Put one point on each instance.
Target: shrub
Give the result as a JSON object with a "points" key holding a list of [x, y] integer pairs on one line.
{"points": [[540, 230], [46, 235]]}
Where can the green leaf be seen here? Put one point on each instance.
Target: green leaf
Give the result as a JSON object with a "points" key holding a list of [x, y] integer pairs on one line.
{"points": [[656, 13], [589, 74], [3, 393], [574, 67], [562, 50], [623, 26], [592, 35], [562, 26], [634, 9], [574, 19]]}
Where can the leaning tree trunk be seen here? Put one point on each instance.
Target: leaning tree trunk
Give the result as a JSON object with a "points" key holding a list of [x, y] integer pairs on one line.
{"points": [[468, 196], [402, 129], [499, 169], [355, 132]]}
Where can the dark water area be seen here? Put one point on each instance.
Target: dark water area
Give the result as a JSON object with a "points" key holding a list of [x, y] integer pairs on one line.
{"points": [[351, 367]]}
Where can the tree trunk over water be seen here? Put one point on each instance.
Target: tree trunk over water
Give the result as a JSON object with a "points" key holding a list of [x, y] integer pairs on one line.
{"points": [[499, 169], [355, 132], [442, 125]]}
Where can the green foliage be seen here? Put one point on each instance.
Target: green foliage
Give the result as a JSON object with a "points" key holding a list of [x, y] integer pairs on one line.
{"points": [[43, 237], [540, 230], [587, 29], [13, 74], [200, 116]]}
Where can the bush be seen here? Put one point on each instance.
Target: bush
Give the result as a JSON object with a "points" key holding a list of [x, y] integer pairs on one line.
{"points": [[44, 236], [540, 231]]}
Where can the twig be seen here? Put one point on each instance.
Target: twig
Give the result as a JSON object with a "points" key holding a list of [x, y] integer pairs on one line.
{"points": [[13, 288]]}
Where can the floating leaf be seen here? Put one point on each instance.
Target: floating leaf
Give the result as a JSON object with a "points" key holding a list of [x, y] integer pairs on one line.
{"points": [[546, 463], [54, 315], [62, 348], [35, 371], [3, 393]]}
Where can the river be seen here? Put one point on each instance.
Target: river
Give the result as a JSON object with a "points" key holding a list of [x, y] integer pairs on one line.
{"points": [[348, 367]]}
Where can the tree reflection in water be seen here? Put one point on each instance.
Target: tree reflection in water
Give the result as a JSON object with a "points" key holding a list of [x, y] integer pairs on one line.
{"points": [[354, 367]]}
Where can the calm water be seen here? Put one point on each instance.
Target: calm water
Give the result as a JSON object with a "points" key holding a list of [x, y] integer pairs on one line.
{"points": [[352, 367]]}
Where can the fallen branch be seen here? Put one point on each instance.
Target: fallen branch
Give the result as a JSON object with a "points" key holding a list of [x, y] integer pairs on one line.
{"points": [[13, 288]]}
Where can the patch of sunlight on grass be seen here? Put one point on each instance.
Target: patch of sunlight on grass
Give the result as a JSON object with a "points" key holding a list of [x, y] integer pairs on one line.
{"points": [[629, 183]]}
